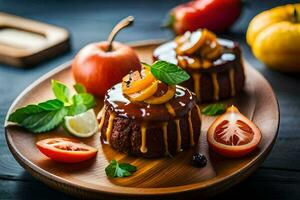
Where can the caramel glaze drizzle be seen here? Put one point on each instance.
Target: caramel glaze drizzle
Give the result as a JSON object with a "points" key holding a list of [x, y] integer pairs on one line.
{"points": [[109, 127], [216, 86], [192, 142], [143, 148], [170, 109], [164, 127], [178, 135], [197, 84], [165, 135], [197, 80], [102, 118], [231, 78]]}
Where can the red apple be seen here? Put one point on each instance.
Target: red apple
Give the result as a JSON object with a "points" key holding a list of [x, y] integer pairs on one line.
{"points": [[98, 68]]}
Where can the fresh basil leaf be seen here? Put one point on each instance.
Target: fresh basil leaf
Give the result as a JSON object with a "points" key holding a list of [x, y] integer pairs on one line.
{"points": [[53, 104], [79, 88], [84, 98], [127, 167], [114, 169], [81, 103], [41, 117], [169, 73], [61, 91], [44, 121], [76, 109], [20, 114], [48, 115], [214, 109]]}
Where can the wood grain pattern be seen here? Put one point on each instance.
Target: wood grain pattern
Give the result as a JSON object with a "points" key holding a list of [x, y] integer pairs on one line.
{"points": [[155, 177], [56, 41]]}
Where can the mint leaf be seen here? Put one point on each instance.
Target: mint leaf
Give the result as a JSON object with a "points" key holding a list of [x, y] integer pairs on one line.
{"points": [[81, 103], [48, 115], [61, 91], [128, 167], [85, 99], [169, 73], [214, 109], [40, 118], [79, 88], [114, 169], [44, 121]]}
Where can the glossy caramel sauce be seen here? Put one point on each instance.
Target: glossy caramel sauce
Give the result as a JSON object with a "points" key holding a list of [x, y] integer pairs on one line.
{"points": [[156, 115], [197, 81], [178, 135], [216, 86], [229, 53], [109, 127], [102, 113], [165, 136], [182, 102], [192, 142], [232, 82], [143, 148]]}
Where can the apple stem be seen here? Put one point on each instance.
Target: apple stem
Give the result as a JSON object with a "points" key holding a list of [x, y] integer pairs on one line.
{"points": [[122, 24]]}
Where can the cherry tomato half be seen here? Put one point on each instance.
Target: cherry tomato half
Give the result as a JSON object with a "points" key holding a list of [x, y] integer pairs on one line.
{"points": [[66, 150], [232, 134]]}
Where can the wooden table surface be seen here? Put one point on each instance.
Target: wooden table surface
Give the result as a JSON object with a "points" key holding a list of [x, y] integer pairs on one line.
{"points": [[89, 21]]}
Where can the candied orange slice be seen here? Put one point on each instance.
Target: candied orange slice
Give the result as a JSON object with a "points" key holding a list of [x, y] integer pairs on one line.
{"points": [[133, 83], [183, 38], [195, 41], [164, 98], [214, 54], [189, 61], [145, 93], [211, 51]]}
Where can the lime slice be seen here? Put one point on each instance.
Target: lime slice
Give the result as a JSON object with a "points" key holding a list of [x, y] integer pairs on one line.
{"points": [[82, 125]]}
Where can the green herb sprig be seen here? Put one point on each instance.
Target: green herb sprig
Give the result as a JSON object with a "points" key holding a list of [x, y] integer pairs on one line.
{"points": [[47, 115], [214, 109], [168, 73], [116, 169]]}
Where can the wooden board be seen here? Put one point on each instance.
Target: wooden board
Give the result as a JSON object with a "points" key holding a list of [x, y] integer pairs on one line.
{"points": [[168, 177], [37, 41]]}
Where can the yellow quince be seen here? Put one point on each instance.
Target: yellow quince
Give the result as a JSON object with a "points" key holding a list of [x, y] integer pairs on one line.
{"points": [[274, 36]]}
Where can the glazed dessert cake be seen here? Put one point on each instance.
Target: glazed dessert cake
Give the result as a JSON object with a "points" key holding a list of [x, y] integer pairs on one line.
{"points": [[215, 65], [163, 124]]}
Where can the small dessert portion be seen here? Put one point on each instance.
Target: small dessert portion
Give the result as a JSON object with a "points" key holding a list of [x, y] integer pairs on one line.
{"points": [[146, 117], [215, 64]]}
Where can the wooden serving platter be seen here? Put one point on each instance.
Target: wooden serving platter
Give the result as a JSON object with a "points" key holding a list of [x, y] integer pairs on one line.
{"points": [[155, 178]]}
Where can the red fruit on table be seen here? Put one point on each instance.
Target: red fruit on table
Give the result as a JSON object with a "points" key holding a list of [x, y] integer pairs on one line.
{"points": [[215, 15], [233, 135], [99, 66]]}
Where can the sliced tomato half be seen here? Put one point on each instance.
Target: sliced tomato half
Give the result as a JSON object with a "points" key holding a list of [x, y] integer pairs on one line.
{"points": [[66, 150], [233, 135]]}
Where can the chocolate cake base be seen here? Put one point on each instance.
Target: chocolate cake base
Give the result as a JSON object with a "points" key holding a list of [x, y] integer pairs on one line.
{"points": [[126, 135]]}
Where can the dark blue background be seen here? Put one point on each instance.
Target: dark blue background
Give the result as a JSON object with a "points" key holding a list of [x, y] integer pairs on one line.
{"points": [[90, 21]]}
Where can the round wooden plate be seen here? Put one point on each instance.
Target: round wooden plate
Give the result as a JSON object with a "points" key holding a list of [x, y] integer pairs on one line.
{"points": [[168, 177]]}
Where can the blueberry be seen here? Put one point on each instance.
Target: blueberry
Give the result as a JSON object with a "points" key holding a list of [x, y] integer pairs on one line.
{"points": [[199, 160]]}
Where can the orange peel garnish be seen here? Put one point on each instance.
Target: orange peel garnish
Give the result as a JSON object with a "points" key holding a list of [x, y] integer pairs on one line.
{"points": [[145, 93], [131, 86], [164, 98]]}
